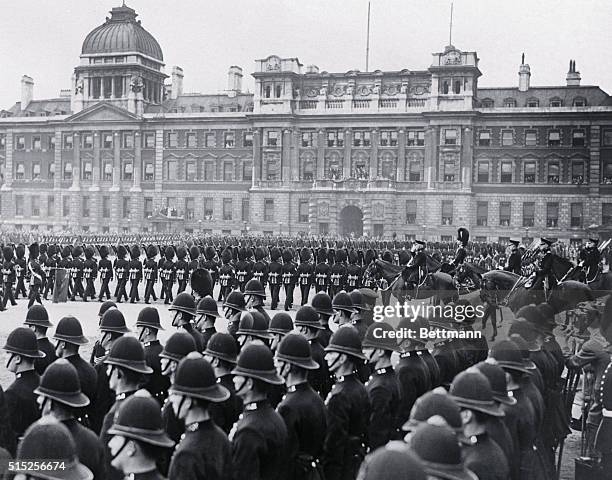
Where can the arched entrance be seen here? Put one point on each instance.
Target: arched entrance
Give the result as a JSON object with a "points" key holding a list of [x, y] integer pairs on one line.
{"points": [[351, 221]]}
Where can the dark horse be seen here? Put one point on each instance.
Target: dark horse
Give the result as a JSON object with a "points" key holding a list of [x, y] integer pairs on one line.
{"points": [[501, 288], [438, 284], [601, 285]]}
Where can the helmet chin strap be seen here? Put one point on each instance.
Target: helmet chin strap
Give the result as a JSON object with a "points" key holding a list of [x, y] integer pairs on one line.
{"points": [[334, 363], [244, 382], [118, 452]]}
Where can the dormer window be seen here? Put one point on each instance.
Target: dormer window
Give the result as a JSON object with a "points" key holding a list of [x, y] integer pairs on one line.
{"points": [[488, 103], [556, 102], [509, 103], [580, 102], [533, 103]]}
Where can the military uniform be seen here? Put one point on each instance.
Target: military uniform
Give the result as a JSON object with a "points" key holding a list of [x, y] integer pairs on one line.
{"points": [[210, 264], [157, 384], [514, 263], [289, 276], [135, 271], [76, 273], [90, 272], [353, 272], [305, 271], [182, 269], [150, 273], [226, 413], [168, 275], [121, 267], [20, 270], [49, 267], [338, 274], [21, 401], [589, 259], [105, 267], [414, 380], [226, 274], [8, 277], [275, 271], [260, 267], [322, 271], [243, 269]]}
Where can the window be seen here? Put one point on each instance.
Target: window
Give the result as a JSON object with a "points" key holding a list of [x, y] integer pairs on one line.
{"points": [[149, 140], [414, 174], [272, 169], [578, 139], [506, 172], [416, 138], [606, 214], [149, 172], [303, 211], [246, 209], [87, 169], [172, 139], [361, 138], [108, 171], [68, 171], [172, 170], [553, 172], [388, 138], [85, 207], [445, 87], [530, 172], [272, 139], [247, 171], [106, 207], [528, 214], [307, 139], [554, 138], [531, 139], [533, 103], [228, 141], [191, 172], [450, 136], [65, 206], [211, 140], [191, 140], [247, 140], [378, 230], [68, 139], [107, 87], [308, 170], [209, 171], [87, 141], [126, 207], [449, 168], [50, 206], [505, 210], [509, 103], [148, 207], [227, 209], [507, 138], [208, 208], [36, 143], [35, 206], [552, 214], [411, 212], [577, 173], [556, 102], [447, 212], [457, 86], [50, 143], [19, 142], [488, 103], [576, 215], [19, 171], [580, 102], [228, 171], [278, 90], [484, 138], [189, 208], [128, 171], [482, 214], [335, 138], [3, 141], [268, 210], [19, 205], [483, 172], [128, 140], [51, 172]]}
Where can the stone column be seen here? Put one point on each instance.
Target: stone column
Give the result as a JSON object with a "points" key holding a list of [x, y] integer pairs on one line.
{"points": [[374, 156], [8, 162], [256, 155], [400, 175], [76, 162], [295, 165], [467, 157], [430, 157], [287, 147], [348, 143], [116, 163], [321, 142], [95, 174], [137, 167]]}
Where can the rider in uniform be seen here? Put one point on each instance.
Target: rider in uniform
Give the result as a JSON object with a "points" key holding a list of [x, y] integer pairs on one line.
{"points": [[417, 266], [514, 262], [544, 276], [462, 239], [590, 256]]}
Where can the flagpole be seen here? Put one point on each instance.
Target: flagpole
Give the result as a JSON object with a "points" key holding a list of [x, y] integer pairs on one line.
{"points": [[367, 65]]}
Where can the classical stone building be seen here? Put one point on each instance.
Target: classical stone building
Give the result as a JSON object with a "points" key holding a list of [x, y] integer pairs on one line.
{"points": [[411, 152]]}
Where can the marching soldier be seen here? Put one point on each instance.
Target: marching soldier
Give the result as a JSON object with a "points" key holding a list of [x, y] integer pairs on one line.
{"points": [[36, 275], [302, 409], [305, 271], [49, 267], [37, 319], [338, 273], [353, 272], [322, 271], [514, 263], [90, 272], [348, 407], [289, 275], [259, 438], [150, 271], [207, 309], [66, 264], [260, 267], [20, 397], [210, 264], [194, 263], [137, 439], [42, 258], [226, 274], [105, 268], [233, 307], [185, 310], [204, 450], [76, 273], [167, 274], [121, 266], [275, 271], [148, 323], [590, 256], [182, 269], [243, 270], [135, 270], [20, 270]]}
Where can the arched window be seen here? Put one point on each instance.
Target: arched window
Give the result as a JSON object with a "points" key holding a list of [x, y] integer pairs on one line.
{"points": [[308, 170], [360, 167], [388, 168], [457, 86], [554, 172]]}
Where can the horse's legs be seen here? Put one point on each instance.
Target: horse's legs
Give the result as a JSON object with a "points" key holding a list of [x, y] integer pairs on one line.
{"points": [[494, 323]]}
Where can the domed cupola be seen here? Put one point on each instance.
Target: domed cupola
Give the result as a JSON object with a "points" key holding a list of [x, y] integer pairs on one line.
{"points": [[121, 63]]}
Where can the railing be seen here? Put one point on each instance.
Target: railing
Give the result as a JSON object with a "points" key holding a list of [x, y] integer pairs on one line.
{"points": [[334, 104], [308, 104], [415, 102], [361, 103], [387, 103]]}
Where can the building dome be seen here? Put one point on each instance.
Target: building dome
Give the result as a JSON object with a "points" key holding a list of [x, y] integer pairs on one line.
{"points": [[122, 33]]}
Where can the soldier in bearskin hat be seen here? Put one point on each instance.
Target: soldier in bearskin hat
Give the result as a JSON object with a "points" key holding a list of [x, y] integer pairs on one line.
{"points": [[305, 272], [260, 266], [210, 264], [338, 273], [90, 272], [121, 266], [322, 271], [289, 276], [182, 269], [20, 270], [149, 325], [37, 319], [275, 270], [168, 274], [150, 272], [194, 263], [243, 269], [353, 272], [49, 267], [105, 268], [227, 274], [76, 273], [302, 408], [8, 277], [36, 275], [135, 269]]}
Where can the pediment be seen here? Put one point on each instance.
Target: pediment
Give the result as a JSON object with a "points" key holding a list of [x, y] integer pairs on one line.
{"points": [[103, 112]]}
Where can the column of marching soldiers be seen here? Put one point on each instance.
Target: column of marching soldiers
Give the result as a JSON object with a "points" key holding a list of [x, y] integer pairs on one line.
{"points": [[276, 398]]}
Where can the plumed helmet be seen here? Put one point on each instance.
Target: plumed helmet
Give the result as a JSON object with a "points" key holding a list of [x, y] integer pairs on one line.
{"points": [[260, 253], [181, 253], [235, 300], [149, 317], [184, 302], [195, 377], [346, 340], [275, 253], [178, 346], [89, 252], [104, 251], [151, 251], [463, 235], [121, 251], [222, 346], [34, 250], [169, 253], [77, 252], [20, 250], [194, 252], [209, 253], [281, 323]]}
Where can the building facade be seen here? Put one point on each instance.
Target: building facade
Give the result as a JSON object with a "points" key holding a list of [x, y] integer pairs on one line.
{"points": [[416, 153]]}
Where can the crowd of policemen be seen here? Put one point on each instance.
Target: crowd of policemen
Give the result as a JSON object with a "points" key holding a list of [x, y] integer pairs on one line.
{"points": [[291, 398]]}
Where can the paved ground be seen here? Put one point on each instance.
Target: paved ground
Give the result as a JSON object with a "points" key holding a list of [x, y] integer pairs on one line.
{"points": [[87, 313]]}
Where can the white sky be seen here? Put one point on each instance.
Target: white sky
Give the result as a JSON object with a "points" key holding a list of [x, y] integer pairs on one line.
{"points": [[43, 38]]}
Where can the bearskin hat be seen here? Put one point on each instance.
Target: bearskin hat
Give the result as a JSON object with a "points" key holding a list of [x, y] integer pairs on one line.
{"points": [[275, 253], [404, 257], [89, 252], [121, 251], [341, 256], [151, 251], [387, 256], [305, 254], [226, 255], [181, 253], [169, 253], [331, 256], [242, 254], [353, 257], [7, 252], [209, 253], [103, 251], [20, 250], [194, 252], [34, 250], [260, 253], [135, 251], [51, 250], [287, 257], [43, 248], [249, 253], [77, 252]]}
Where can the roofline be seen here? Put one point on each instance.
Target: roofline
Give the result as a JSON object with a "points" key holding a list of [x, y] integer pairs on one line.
{"points": [[541, 87], [118, 54]]}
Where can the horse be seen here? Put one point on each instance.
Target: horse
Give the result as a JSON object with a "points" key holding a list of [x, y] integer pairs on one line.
{"points": [[437, 284], [467, 275], [601, 285], [511, 287]]}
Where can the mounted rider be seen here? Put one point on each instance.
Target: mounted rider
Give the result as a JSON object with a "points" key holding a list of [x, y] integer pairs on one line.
{"points": [[544, 277], [416, 270], [590, 256], [514, 262], [462, 239]]}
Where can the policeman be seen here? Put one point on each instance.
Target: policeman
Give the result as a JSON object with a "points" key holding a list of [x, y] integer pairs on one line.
{"points": [[260, 267], [302, 409], [69, 336], [289, 276], [259, 438], [353, 272], [383, 388], [36, 275], [121, 266], [348, 407], [185, 309], [280, 325], [590, 256], [20, 269], [149, 325], [20, 398], [168, 274], [514, 262], [135, 270], [392, 462], [357, 319], [105, 268], [222, 352], [322, 304], [416, 269], [322, 271], [338, 273], [275, 270], [255, 297], [137, 439], [435, 404], [182, 269], [60, 396], [305, 272], [343, 309], [233, 306], [90, 272], [37, 319], [243, 270], [48, 438], [253, 327], [151, 272], [208, 314], [49, 267]]}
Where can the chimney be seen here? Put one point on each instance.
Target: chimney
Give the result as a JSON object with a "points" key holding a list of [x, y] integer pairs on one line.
{"points": [[177, 82], [27, 91], [234, 80], [313, 69], [524, 75], [573, 77]]}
